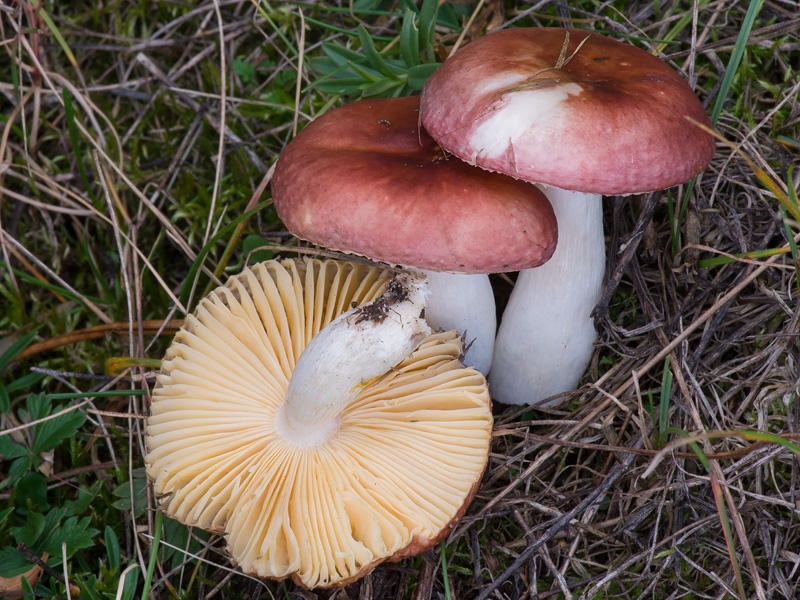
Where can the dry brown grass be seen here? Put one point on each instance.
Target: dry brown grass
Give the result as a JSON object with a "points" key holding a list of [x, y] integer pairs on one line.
{"points": [[172, 152]]}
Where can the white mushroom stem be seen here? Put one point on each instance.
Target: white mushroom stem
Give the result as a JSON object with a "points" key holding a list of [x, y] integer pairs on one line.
{"points": [[546, 336], [465, 303], [359, 345]]}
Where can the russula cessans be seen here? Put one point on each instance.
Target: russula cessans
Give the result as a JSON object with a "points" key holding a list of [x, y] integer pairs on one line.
{"points": [[364, 179], [305, 412], [585, 116]]}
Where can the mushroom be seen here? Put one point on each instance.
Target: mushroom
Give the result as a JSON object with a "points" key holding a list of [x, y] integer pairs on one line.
{"points": [[365, 179], [585, 116], [319, 439]]}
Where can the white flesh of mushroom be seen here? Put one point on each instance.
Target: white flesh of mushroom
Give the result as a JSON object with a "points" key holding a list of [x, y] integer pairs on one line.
{"points": [[359, 345], [464, 303], [546, 336]]}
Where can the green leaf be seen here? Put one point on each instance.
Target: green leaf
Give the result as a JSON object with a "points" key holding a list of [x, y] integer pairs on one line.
{"points": [[27, 588], [380, 87], [340, 55], [427, 24], [243, 69], [16, 347], [75, 533], [374, 59], [49, 434], [4, 514], [351, 86], [250, 248], [130, 583], [123, 493], [181, 536], [409, 39], [84, 501], [12, 563], [29, 533], [112, 547], [32, 492], [23, 382], [417, 76], [17, 469], [367, 74]]}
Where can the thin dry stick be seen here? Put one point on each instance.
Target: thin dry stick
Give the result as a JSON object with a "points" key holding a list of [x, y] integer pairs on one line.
{"points": [[222, 115], [230, 135], [3, 144], [168, 225], [5, 236], [299, 84], [657, 359], [463, 33], [92, 333], [732, 510], [118, 239], [614, 475], [63, 411]]}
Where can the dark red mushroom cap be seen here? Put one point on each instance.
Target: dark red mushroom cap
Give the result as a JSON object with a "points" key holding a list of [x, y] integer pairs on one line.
{"points": [[611, 120], [364, 178]]}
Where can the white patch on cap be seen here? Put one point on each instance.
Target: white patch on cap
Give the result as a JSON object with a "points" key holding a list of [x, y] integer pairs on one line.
{"points": [[515, 114]]}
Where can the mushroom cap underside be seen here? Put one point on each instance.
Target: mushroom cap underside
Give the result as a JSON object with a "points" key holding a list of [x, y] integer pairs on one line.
{"points": [[611, 119], [406, 460]]}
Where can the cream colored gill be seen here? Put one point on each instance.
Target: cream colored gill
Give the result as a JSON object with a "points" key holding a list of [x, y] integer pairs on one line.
{"points": [[321, 514], [357, 505], [513, 114], [227, 370]]}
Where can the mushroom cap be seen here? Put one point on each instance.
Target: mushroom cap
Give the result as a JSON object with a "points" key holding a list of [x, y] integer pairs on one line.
{"points": [[364, 178], [612, 120], [400, 470]]}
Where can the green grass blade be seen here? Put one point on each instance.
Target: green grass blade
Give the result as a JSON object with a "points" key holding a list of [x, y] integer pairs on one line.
{"points": [[726, 528], [59, 38], [73, 138], [190, 277], [724, 260], [693, 445], [349, 32], [792, 246], [427, 24], [17, 347], [151, 566], [373, 57], [722, 95], [23, 276], [106, 394], [663, 406], [268, 19], [763, 436], [736, 58], [444, 572], [409, 40], [367, 74]]}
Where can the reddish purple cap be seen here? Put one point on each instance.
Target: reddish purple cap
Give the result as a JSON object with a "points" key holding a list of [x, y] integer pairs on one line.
{"points": [[611, 120], [364, 178]]}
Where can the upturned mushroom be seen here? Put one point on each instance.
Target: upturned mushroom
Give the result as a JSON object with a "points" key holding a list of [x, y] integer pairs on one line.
{"points": [[584, 116], [319, 439], [365, 179]]}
